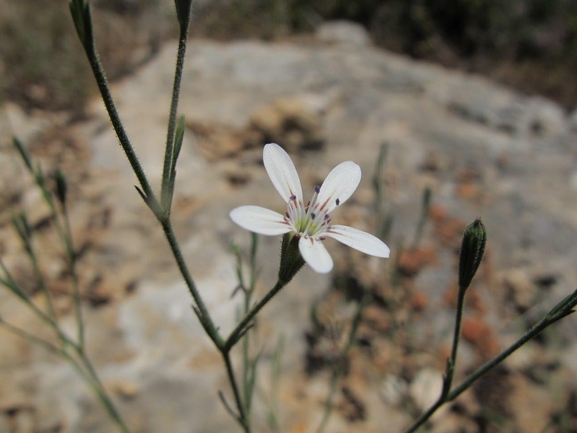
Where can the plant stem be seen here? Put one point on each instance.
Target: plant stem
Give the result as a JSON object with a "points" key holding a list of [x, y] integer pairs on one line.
{"points": [[91, 378], [337, 372], [204, 314], [457, 332], [169, 151], [240, 328], [466, 384], [42, 283], [102, 83], [27, 336], [67, 239], [242, 418]]}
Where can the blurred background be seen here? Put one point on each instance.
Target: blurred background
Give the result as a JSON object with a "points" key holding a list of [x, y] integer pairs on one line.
{"points": [[454, 109], [530, 45]]}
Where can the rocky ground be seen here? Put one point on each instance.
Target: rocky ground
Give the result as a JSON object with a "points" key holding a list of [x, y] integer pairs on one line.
{"points": [[482, 149]]}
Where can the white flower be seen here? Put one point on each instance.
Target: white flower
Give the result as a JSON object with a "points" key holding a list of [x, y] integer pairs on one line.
{"points": [[311, 223]]}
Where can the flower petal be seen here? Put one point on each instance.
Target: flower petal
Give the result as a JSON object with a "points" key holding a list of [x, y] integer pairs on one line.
{"points": [[359, 240], [260, 220], [315, 254], [339, 185], [282, 172]]}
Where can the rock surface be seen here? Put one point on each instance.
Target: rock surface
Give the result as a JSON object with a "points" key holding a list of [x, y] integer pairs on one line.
{"points": [[481, 148]]}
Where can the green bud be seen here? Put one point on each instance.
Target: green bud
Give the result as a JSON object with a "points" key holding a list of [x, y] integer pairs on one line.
{"points": [[61, 187], [291, 260], [80, 10], [183, 11], [472, 250]]}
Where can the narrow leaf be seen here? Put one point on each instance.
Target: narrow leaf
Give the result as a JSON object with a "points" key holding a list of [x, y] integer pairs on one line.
{"points": [[23, 153]]}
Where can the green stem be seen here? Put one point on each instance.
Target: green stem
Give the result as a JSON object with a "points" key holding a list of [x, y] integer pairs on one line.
{"points": [[14, 288], [240, 328], [42, 283], [102, 83], [169, 151], [67, 238], [91, 378], [457, 332], [337, 372], [534, 331], [466, 384], [242, 418], [204, 314], [27, 336]]}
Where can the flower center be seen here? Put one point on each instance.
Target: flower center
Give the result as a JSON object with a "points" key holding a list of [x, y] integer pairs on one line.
{"points": [[311, 220]]}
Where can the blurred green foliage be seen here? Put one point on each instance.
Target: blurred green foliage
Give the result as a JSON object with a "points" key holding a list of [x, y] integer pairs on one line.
{"points": [[42, 64], [41, 61]]}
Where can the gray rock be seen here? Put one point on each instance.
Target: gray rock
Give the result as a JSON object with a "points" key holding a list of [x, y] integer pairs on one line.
{"points": [[344, 33], [491, 160]]}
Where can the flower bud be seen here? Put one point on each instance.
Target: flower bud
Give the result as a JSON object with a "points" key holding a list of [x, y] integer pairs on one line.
{"points": [[61, 187], [183, 11], [472, 249], [291, 260]]}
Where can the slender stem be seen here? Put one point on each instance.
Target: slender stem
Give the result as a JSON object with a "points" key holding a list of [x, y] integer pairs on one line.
{"points": [[242, 419], [457, 332], [169, 151], [67, 238], [88, 373], [102, 83], [248, 365], [42, 283], [235, 334], [27, 336], [174, 246], [337, 372], [425, 416], [535, 330], [91, 378], [13, 286], [466, 384]]}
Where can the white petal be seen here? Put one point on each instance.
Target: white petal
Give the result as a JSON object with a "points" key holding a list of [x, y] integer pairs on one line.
{"points": [[282, 172], [260, 220], [339, 185], [359, 240], [316, 255]]}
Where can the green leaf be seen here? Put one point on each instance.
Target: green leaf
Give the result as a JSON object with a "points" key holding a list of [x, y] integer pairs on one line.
{"points": [[23, 153]]}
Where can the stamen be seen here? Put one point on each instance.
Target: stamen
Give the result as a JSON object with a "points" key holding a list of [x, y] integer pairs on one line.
{"points": [[337, 201], [326, 217], [293, 197], [317, 189], [322, 238], [313, 216]]}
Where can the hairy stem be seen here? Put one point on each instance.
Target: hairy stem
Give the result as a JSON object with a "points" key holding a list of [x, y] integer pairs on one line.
{"points": [[247, 319]]}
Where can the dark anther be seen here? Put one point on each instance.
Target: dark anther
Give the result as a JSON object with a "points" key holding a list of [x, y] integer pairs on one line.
{"points": [[337, 201], [322, 238], [293, 197], [317, 189], [313, 216], [326, 217]]}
